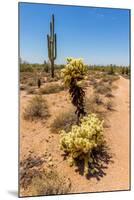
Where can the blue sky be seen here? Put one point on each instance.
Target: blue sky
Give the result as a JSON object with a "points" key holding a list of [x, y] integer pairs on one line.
{"points": [[98, 35]]}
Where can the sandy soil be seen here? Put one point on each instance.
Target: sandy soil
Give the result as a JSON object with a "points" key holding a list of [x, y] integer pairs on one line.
{"points": [[37, 137]]}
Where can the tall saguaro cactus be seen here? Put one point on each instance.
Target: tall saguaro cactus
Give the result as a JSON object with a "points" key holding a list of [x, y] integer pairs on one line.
{"points": [[52, 46]]}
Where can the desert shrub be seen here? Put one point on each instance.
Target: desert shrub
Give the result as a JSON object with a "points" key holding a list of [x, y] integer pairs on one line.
{"points": [[111, 70], [97, 99], [52, 88], [109, 105], [25, 77], [28, 169], [49, 182], [63, 121], [25, 67], [31, 91], [93, 81], [109, 78], [109, 94], [123, 70], [37, 180], [98, 75], [82, 140], [23, 87], [73, 75], [31, 82], [102, 88], [37, 109], [105, 79]]}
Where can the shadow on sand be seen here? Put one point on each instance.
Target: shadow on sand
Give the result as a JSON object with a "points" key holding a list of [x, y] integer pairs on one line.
{"points": [[101, 159]]}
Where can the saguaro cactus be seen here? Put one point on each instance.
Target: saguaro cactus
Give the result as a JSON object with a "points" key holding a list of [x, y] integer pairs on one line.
{"points": [[52, 46]]}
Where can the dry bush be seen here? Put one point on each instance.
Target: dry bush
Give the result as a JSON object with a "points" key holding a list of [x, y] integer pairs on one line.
{"points": [[97, 99], [31, 82], [64, 121], [109, 94], [31, 91], [102, 88], [105, 79], [25, 76], [37, 109], [49, 182], [109, 105], [98, 75], [37, 180], [29, 169], [93, 82], [109, 78], [23, 87], [99, 110], [52, 88], [50, 79]]}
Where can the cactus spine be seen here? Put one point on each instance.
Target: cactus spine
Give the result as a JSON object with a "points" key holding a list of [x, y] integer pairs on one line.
{"points": [[52, 46]]}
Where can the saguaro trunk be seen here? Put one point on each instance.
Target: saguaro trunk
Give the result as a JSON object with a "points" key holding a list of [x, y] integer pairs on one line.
{"points": [[52, 46]]}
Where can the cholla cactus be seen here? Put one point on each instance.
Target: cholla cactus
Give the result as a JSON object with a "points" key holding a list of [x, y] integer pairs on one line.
{"points": [[73, 75], [81, 140]]}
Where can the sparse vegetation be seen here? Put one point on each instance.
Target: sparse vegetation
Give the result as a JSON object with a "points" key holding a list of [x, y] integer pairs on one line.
{"points": [[82, 143], [109, 95], [51, 88], [97, 99], [49, 182], [64, 121], [109, 105], [31, 91], [37, 109], [102, 88], [43, 181]]}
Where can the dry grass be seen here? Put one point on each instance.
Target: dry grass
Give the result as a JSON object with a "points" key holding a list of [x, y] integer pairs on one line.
{"points": [[48, 183], [37, 179], [64, 121], [37, 109], [97, 99], [109, 94], [31, 91], [102, 88], [109, 105], [52, 88], [23, 87]]}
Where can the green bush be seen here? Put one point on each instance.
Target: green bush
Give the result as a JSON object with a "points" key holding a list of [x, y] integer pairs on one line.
{"points": [[37, 109], [82, 140]]}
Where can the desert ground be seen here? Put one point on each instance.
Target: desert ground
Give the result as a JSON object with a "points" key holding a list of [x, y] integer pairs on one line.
{"points": [[38, 138]]}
